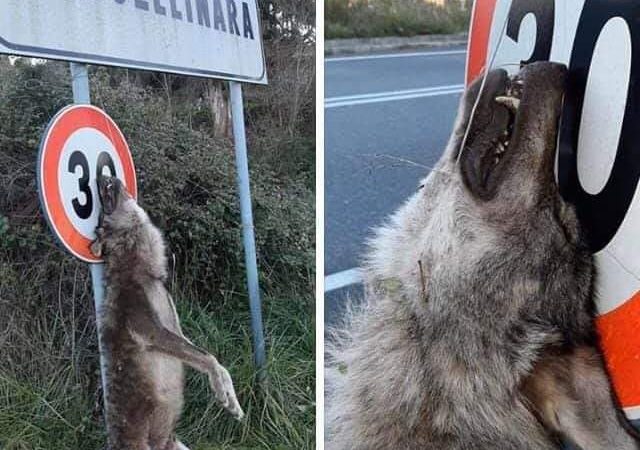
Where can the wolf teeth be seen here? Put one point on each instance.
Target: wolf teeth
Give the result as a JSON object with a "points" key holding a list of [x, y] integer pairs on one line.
{"points": [[510, 102]]}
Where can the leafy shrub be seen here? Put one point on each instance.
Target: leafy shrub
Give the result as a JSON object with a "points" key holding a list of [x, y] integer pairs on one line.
{"points": [[186, 181]]}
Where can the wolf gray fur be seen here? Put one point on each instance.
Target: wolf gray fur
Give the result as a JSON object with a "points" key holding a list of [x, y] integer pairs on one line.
{"points": [[477, 328], [144, 345]]}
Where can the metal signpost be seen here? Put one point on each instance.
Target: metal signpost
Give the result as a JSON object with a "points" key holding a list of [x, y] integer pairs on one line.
{"points": [[206, 38], [244, 190]]}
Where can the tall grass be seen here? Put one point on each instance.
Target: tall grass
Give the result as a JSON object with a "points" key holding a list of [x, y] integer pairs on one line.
{"points": [[375, 18], [57, 405]]}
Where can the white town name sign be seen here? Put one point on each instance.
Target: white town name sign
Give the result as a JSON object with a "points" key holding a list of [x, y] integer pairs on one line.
{"points": [[209, 38]]}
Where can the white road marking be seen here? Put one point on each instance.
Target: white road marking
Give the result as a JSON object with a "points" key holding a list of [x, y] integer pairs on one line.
{"points": [[396, 55], [336, 102], [633, 412], [342, 279], [391, 93]]}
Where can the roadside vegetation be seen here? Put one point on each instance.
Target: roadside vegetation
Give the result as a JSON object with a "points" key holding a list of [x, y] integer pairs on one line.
{"points": [[377, 18], [178, 132]]}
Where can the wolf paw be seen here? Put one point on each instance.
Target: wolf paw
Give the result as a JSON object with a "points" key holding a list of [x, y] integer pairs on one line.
{"points": [[222, 386], [96, 245]]}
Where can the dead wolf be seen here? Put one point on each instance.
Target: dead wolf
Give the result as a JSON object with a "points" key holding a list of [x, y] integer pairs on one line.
{"points": [[477, 330], [143, 342]]}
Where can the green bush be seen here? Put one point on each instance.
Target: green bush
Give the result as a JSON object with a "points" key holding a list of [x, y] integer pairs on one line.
{"points": [[186, 181], [374, 18]]}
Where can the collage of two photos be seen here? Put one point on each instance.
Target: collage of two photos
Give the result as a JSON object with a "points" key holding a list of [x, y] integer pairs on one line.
{"points": [[157, 224], [345, 224]]}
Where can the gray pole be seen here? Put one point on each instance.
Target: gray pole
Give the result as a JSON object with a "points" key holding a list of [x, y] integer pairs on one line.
{"points": [[242, 166], [82, 96]]}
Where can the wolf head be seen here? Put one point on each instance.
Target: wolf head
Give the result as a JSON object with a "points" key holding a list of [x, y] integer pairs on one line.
{"points": [[489, 218], [119, 209], [126, 232], [511, 140], [112, 193], [469, 281]]}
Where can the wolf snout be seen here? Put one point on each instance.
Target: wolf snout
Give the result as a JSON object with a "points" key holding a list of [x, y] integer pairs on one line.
{"points": [[545, 74], [103, 180]]}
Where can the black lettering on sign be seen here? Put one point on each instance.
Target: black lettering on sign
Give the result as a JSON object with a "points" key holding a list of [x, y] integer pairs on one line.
{"points": [[187, 4], [228, 21], [246, 21], [83, 210], [544, 11], [175, 12], [218, 16], [158, 8], [202, 8], [232, 12], [142, 4], [603, 212]]}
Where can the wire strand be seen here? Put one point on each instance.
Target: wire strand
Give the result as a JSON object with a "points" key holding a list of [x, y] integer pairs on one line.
{"points": [[484, 80]]}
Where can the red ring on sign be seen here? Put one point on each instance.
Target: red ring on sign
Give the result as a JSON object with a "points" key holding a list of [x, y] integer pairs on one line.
{"points": [[66, 122], [620, 343], [481, 21]]}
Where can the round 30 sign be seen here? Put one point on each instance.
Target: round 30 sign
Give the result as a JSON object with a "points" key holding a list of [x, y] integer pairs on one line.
{"points": [[598, 164], [81, 142]]}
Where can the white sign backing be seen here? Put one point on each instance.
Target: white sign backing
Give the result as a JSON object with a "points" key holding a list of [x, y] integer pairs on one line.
{"points": [[206, 38]]}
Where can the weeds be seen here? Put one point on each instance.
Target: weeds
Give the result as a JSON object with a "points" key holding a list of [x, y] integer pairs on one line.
{"points": [[60, 408]]}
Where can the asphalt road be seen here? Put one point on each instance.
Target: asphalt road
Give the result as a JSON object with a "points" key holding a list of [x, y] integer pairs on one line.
{"points": [[387, 120]]}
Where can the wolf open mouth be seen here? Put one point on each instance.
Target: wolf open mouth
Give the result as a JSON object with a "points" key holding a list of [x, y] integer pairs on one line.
{"points": [[513, 128], [108, 191], [511, 100]]}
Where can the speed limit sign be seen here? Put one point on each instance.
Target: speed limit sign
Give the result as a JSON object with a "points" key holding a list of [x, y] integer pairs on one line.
{"points": [[598, 163], [81, 142]]}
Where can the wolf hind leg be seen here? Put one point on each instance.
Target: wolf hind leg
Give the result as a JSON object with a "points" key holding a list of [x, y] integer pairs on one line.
{"points": [[571, 395], [159, 339]]}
